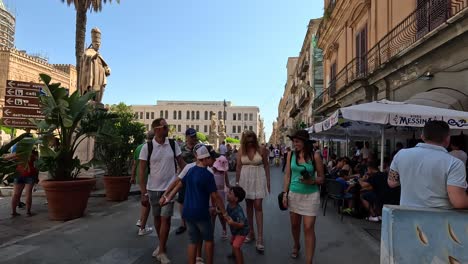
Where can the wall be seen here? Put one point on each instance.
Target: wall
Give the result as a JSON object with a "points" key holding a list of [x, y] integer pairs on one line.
{"points": [[423, 236]]}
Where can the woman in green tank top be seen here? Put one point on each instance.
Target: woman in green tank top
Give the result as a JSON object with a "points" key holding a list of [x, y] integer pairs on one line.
{"points": [[304, 172]]}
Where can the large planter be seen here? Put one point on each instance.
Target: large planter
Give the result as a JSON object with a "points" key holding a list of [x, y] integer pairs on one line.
{"points": [[117, 188], [67, 200]]}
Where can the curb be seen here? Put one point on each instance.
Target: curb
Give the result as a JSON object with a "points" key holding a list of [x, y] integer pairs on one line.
{"points": [[8, 192]]}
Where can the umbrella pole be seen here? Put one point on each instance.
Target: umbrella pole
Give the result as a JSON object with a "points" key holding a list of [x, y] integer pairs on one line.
{"points": [[382, 145]]}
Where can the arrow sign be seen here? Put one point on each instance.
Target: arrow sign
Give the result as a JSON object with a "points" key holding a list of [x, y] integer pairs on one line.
{"points": [[21, 104], [11, 83], [10, 92], [7, 112]]}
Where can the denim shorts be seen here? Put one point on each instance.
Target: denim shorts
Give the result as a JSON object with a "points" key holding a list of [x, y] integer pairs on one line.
{"points": [[24, 180], [166, 210], [200, 231]]}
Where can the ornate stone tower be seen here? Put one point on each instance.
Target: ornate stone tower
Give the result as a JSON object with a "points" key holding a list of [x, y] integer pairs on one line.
{"points": [[7, 27]]}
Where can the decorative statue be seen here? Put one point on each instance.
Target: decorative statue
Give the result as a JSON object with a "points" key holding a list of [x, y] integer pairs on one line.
{"points": [[93, 68], [213, 123], [222, 127]]}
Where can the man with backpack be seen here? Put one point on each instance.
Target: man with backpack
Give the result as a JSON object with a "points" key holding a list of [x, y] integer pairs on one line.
{"points": [[161, 157]]}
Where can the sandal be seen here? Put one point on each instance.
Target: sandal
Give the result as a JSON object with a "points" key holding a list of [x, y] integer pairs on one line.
{"points": [[249, 238], [200, 260], [295, 253], [259, 246]]}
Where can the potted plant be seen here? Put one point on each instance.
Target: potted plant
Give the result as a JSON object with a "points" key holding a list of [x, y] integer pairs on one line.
{"points": [[114, 148], [71, 119]]}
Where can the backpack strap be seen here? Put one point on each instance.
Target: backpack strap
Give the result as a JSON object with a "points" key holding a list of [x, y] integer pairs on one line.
{"points": [[172, 143], [150, 150]]}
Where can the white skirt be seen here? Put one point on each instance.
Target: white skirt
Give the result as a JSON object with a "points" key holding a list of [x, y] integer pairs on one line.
{"points": [[253, 181], [304, 204]]}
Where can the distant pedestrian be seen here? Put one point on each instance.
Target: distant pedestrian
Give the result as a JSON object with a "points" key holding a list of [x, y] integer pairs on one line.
{"points": [[456, 144], [428, 175], [237, 221], [161, 160], [145, 208], [253, 175], [223, 148], [303, 175], [26, 175]]}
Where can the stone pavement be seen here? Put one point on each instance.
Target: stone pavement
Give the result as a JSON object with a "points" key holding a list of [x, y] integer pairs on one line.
{"points": [[107, 234]]}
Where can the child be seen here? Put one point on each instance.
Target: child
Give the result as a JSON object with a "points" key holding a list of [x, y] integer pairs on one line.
{"points": [[220, 168], [200, 187], [237, 222]]}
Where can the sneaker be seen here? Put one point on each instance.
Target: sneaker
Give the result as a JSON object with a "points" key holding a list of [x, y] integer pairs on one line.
{"points": [[180, 230], [373, 219], [138, 223], [163, 258], [347, 211], [200, 260], [155, 252], [145, 231]]}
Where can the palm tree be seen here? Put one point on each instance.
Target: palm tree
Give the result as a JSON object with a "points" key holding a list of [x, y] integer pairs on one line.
{"points": [[82, 7]]}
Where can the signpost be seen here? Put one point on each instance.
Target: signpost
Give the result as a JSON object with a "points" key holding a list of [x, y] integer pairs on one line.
{"points": [[21, 104]]}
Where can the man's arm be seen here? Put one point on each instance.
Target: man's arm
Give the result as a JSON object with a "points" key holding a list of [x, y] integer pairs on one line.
{"points": [[393, 179], [141, 176], [456, 185], [458, 197], [173, 192], [132, 179], [219, 202], [180, 162]]}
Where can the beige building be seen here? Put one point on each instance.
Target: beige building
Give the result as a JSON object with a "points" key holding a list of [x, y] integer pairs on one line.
{"points": [[19, 66], [7, 27], [197, 114], [413, 50]]}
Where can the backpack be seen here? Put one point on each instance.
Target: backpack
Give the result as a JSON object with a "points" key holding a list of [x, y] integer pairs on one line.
{"points": [[150, 150]]}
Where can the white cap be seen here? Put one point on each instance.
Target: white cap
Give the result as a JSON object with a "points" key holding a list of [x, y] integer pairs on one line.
{"points": [[202, 153]]}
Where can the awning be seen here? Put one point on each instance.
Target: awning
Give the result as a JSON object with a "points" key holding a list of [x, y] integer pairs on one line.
{"points": [[442, 98]]}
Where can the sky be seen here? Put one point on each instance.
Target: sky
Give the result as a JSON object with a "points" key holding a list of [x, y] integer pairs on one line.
{"points": [[179, 49]]}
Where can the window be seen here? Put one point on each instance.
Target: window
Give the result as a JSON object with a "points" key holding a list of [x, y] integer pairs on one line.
{"points": [[361, 52], [188, 115], [161, 113], [250, 128], [233, 129], [332, 85], [193, 115], [180, 115], [179, 128], [147, 115], [152, 115], [206, 129], [237, 137], [198, 115], [234, 116], [239, 130], [166, 114], [246, 117], [141, 115], [245, 128], [206, 115], [239, 116], [186, 127], [175, 115], [251, 117], [197, 127]]}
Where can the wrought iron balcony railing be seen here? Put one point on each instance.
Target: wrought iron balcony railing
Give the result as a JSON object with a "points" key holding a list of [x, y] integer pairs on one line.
{"points": [[428, 15]]}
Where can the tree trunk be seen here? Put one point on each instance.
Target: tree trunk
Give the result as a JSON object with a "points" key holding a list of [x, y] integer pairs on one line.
{"points": [[81, 20]]}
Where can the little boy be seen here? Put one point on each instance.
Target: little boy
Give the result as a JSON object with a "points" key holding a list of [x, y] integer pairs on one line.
{"points": [[237, 222], [200, 186]]}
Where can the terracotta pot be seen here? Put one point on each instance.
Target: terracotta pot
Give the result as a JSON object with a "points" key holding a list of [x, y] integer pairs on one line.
{"points": [[117, 188], [67, 200]]}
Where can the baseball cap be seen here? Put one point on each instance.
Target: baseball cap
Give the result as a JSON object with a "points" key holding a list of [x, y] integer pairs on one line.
{"points": [[191, 132], [203, 151]]}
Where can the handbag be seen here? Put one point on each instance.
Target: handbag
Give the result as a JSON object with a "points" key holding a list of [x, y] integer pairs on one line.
{"points": [[282, 194]]}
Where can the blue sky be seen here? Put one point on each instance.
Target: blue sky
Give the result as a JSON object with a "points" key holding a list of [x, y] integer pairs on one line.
{"points": [[180, 49]]}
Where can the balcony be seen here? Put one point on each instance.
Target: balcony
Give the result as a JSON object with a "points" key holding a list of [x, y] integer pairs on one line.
{"points": [[304, 99], [305, 66], [427, 17], [294, 111], [294, 85]]}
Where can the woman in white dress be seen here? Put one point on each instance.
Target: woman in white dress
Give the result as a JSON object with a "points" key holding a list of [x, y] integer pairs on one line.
{"points": [[253, 175]]}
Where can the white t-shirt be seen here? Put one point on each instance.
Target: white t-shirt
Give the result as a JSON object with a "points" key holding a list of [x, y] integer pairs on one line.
{"points": [[460, 154], [365, 153], [222, 149], [187, 167], [162, 169]]}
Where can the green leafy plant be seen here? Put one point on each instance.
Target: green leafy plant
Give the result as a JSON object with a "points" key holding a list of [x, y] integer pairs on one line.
{"points": [[118, 139], [202, 137], [232, 140], [71, 119]]}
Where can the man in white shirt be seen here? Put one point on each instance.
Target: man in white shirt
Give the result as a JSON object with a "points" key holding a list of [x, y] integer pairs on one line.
{"points": [[456, 146], [223, 148], [428, 175], [162, 171]]}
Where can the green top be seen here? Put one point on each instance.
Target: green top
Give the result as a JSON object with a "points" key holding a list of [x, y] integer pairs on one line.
{"points": [[296, 185], [136, 158]]}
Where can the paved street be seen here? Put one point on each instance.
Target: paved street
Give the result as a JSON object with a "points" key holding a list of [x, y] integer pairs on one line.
{"points": [[110, 237]]}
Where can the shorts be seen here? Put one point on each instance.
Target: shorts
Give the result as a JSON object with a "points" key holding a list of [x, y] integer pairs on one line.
{"points": [[166, 210], [371, 197], [24, 180], [200, 231], [181, 195], [237, 241]]}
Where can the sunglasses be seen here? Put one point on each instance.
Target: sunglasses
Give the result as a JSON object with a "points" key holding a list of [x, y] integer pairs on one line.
{"points": [[164, 126]]}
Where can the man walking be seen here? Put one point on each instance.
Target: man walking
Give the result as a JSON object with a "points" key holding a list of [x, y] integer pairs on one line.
{"points": [[428, 175], [223, 149], [160, 158]]}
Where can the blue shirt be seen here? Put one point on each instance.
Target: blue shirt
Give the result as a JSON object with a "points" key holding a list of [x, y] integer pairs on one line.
{"points": [[199, 184], [425, 171], [237, 215]]}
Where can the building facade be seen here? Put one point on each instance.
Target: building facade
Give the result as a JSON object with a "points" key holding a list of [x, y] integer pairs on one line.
{"points": [[7, 27], [197, 114], [401, 50], [19, 66]]}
